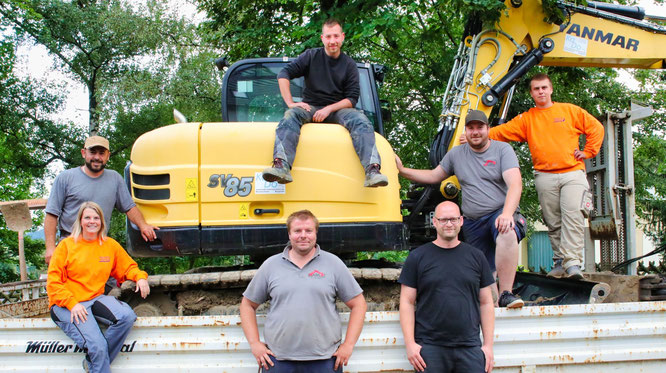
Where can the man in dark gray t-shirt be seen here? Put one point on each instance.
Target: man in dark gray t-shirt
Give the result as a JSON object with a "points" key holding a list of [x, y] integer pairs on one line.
{"points": [[330, 95], [302, 329], [90, 182], [489, 175]]}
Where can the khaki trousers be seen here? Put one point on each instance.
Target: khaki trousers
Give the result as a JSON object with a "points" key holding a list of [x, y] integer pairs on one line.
{"points": [[561, 197]]}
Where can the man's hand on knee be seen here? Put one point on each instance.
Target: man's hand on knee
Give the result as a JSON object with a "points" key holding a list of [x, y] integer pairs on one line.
{"points": [[301, 105], [504, 223]]}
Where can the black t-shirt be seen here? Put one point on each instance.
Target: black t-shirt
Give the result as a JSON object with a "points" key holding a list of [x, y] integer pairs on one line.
{"points": [[327, 80], [447, 283]]}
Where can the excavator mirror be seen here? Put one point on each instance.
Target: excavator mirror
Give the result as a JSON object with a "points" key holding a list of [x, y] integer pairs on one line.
{"points": [[379, 71], [221, 63]]}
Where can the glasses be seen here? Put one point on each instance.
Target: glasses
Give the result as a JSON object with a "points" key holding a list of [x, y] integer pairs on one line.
{"points": [[448, 220]]}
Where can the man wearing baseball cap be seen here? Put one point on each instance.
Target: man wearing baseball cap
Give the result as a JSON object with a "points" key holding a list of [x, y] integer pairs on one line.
{"points": [[90, 182], [489, 175]]}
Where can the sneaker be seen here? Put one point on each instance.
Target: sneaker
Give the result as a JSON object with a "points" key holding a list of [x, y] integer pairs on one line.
{"points": [[574, 273], [373, 178], [510, 300], [279, 172], [557, 271]]}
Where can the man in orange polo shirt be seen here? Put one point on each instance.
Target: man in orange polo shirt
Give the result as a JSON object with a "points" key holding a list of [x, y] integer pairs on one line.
{"points": [[552, 131]]}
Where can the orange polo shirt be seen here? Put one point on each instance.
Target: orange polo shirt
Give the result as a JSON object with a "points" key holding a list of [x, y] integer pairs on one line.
{"points": [[552, 135], [79, 270]]}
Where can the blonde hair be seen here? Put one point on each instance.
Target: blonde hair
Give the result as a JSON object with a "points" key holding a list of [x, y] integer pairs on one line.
{"points": [[76, 227]]}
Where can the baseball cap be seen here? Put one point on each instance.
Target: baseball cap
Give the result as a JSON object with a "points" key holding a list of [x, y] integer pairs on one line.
{"points": [[476, 116], [93, 141]]}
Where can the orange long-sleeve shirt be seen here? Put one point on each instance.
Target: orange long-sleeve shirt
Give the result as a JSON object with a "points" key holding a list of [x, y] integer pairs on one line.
{"points": [[79, 270], [552, 135]]}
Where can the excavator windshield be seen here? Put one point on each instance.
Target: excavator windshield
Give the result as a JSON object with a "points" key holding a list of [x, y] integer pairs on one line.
{"points": [[251, 92]]}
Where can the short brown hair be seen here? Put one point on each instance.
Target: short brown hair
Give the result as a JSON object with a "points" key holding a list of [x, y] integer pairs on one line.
{"points": [[330, 23], [541, 76], [302, 215]]}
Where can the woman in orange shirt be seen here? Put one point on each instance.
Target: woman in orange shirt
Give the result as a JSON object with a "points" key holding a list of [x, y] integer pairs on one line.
{"points": [[80, 267]]}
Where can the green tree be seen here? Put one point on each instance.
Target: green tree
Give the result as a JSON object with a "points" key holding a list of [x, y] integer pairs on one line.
{"points": [[137, 62], [22, 104], [650, 155], [95, 41]]}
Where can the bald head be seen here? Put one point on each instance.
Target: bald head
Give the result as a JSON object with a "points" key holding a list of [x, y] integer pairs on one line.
{"points": [[447, 207], [447, 222]]}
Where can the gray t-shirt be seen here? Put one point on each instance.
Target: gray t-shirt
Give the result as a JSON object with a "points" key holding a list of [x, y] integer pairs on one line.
{"points": [[480, 176], [302, 322], [73, 187]]}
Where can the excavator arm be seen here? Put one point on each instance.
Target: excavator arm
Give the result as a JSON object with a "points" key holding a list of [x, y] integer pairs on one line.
{"points": [[491, 61]]}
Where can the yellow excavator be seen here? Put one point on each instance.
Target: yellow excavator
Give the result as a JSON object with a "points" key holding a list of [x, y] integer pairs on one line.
{"points": [[201, 184]]}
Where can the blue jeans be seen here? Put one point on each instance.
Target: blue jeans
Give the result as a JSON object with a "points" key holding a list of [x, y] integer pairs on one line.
{"points": [[312, 366], [362, 133], [102, 347], [440, 359]]}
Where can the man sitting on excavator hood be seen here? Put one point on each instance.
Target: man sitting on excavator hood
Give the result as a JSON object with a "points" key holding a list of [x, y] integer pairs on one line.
{"points": [[331, 92]]}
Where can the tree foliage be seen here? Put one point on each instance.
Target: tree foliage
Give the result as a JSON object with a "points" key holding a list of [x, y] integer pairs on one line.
{"points": [[21, 102], [650, 155], [138, 63], [95, 41]]}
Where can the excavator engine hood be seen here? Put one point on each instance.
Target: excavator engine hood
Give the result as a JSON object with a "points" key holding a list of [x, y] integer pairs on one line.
{"points": [[201, 184]]}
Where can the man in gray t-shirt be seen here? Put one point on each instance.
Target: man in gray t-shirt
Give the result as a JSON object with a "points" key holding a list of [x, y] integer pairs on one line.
{"points": [[303, 329], [491, 184], [90, 182]]}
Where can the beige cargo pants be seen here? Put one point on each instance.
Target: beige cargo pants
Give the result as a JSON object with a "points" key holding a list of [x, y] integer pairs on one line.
{"points": [[561, 198]]}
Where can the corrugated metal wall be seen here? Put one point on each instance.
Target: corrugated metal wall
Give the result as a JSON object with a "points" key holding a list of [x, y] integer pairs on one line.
{"points": [[617, 337], [539, 252]]}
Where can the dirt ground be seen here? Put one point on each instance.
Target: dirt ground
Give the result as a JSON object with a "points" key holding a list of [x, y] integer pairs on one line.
{"points": [[623, 288]]}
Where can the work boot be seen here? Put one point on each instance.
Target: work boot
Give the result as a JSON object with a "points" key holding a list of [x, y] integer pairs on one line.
{"points": [[510, 300], [86, 364], [557, 271], [279, 172], [373, 178], [574, 273]]}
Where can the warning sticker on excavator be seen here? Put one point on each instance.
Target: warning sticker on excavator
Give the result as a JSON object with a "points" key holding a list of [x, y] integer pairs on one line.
{"points": [[244, 211], [191, 189]]}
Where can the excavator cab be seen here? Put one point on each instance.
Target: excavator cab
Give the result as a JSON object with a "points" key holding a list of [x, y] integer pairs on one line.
{"points": [[201, 182]]}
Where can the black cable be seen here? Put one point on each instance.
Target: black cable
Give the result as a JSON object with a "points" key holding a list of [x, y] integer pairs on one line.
{"points": [[629, 261]]}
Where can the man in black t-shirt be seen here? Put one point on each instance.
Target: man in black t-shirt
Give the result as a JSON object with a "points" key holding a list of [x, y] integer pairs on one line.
{"points": [[445, 296], [330, 95]]}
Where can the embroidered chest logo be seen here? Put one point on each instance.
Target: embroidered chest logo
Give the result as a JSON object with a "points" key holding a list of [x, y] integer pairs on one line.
{"points": [[104, 259], [489, 162], [316, 274], [559, 120]]}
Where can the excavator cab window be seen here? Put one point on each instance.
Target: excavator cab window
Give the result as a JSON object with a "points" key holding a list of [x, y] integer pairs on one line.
{"points": [[251, 92]]}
